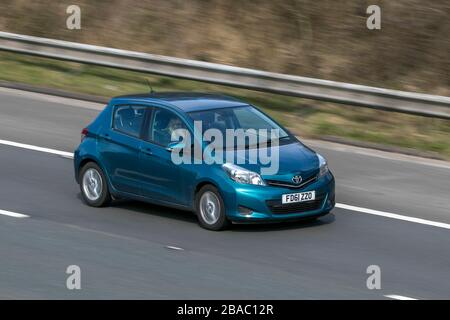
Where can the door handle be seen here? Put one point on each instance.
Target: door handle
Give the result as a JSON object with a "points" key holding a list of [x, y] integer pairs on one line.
{"points": [[146, 151]]}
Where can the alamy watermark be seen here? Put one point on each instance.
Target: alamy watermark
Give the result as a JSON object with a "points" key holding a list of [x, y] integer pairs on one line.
{"points": [[236, 146], [73, 21], [374, 20], [374, 280], [73, 281]]}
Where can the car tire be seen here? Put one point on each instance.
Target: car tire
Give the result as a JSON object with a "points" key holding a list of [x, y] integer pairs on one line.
{"points": [[93, 186], [210, 209]]}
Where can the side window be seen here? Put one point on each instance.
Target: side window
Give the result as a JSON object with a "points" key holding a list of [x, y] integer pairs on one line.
{"points": [[129, 119], [164, 123]]}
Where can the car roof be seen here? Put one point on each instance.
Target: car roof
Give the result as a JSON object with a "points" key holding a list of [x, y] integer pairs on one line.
{"points": [[187, 101]]}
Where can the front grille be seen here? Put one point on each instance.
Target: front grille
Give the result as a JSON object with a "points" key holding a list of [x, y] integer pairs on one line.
{"points": [[276, 207], [277, 183]]}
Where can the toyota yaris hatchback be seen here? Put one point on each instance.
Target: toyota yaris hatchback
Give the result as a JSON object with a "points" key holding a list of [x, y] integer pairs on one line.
{"points": [[129, 151]]}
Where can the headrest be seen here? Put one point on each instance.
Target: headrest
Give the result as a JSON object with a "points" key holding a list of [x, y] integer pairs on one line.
{"points": [[126, 113]]}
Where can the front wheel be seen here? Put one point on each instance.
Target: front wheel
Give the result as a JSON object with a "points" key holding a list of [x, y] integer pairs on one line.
{"points": [[93, 185], [210, 209]]}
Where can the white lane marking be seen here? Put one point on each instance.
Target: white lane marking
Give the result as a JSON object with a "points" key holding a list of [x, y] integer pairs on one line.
{"points": [[397, 297], [13, 214], [393, 216], [174, 248], [68, 157], [338, 205], [35, 148]]}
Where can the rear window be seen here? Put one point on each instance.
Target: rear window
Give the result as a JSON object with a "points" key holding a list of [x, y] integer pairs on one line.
{"points": [[129, 119]]}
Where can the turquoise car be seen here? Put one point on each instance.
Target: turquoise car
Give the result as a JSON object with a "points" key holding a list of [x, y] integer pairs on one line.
{"points": [[129, 151]]}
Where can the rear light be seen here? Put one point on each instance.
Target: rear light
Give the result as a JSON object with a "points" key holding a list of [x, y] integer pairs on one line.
{"points": [[84, 133]]}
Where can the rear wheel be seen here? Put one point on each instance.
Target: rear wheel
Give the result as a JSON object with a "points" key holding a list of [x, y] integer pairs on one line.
{"points": [[210, 209], [93, 186]]}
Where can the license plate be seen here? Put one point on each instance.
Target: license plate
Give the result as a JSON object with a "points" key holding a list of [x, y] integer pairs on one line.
{"points": [[298, 197]]}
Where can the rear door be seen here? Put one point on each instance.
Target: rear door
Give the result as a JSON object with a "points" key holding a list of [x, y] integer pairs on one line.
{"points": [[120, 145]]}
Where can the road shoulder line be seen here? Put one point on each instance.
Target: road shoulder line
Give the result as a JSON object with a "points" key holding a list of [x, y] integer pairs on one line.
{"points": [[13, 214], [397, 297], [393, 216], [35, 148]]}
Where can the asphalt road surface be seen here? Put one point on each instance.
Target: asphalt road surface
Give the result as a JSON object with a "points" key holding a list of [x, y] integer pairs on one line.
{"points": [[141, 251]]}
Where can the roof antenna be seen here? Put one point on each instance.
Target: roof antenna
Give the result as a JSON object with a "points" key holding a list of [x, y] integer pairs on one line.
{"points": [[150, 87]]}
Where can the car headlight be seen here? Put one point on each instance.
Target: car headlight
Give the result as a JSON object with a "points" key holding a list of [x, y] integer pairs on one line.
{"points": [[322, 165], [242, 175]]}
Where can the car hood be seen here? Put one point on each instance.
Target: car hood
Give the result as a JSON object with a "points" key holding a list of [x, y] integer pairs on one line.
{"points": [[294, 159]]}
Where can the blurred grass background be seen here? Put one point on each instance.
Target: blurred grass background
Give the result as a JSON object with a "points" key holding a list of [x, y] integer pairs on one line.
{"points": [[324, 39]]}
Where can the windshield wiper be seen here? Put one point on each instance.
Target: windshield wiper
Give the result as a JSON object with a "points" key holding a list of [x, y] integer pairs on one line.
{"points": [[269, 142]]}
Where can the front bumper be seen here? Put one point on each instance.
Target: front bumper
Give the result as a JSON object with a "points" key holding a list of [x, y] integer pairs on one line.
{"points": [[263, 203]]}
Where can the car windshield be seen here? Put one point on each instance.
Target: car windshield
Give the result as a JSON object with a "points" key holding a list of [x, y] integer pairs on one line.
{"points": [[246, 117]]}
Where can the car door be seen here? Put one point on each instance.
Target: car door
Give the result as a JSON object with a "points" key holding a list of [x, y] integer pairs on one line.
{"points": [[120, 145], [163, 179]]}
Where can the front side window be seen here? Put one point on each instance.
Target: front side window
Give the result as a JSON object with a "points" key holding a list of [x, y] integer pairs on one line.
{"points": [[165, 122], [244, 118], [129, 119]]}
